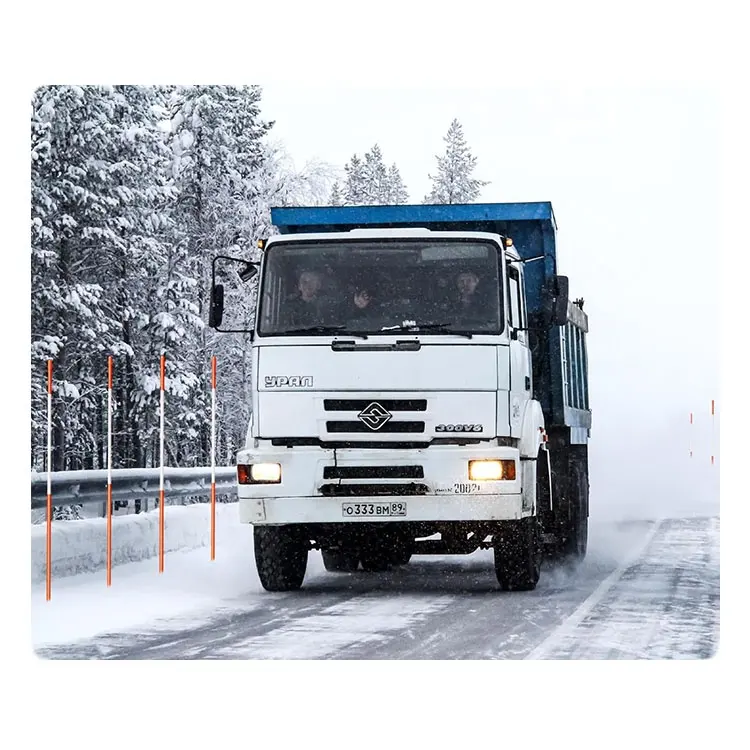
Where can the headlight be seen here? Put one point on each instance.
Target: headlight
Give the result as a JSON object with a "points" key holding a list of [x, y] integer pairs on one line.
{"points": [[492, 469], [259, 473]]}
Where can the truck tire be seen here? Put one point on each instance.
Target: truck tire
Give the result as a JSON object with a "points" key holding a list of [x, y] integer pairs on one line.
{"points": [[280, 557], [401, 557], [337, 561], [566, 525], [376, 557], [575, 543], [518, 554]]}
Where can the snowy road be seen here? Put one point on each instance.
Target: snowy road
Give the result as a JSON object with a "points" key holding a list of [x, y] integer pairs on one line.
{"points": [[647, 590]]}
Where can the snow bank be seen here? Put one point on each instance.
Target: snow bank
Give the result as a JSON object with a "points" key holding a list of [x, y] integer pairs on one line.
{"points": [[81, 546]]}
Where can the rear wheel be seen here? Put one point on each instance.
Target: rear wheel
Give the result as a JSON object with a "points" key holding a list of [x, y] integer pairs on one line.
{"points": [[401, 558], [376, 555], [280, 557], [518, 554], [340, 561], [575, 539], [565, 519]]}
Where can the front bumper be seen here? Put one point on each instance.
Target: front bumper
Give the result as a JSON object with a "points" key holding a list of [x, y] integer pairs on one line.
{"points": [[446, 492]]}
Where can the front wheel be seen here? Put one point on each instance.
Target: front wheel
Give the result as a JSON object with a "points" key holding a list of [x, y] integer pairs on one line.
{"points": [[518, 554], [280, 557]]}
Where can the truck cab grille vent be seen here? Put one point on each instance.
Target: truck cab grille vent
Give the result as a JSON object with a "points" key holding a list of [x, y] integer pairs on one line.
{"points": [[365, 490], [391, 404], [373, 472]]}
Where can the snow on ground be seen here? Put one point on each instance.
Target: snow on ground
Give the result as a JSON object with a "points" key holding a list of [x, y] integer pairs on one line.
{"points": [[661, 604], [193, 589], [83, 605], [81, 546], [362, 620], [646, 599]]}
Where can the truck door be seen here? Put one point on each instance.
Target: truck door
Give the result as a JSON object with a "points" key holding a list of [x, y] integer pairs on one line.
{"points": [[520, 356]]}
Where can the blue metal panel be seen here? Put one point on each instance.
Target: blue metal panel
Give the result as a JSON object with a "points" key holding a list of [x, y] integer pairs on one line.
{"points": [[579, 365], [343, 218], [554, 403], [585, 371]]}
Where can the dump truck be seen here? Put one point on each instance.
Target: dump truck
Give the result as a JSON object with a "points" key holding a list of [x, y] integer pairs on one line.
{"points": [[419, 386]]}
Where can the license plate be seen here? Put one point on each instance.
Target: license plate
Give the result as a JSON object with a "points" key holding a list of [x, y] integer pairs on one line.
{"points": [[381, 510]]}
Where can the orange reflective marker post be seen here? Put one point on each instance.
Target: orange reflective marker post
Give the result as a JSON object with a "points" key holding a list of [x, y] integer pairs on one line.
{"points": [[213, 458], [49, 479], [109, 471], [161, 471]]}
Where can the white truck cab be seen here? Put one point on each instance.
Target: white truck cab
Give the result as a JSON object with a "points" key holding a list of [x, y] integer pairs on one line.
{"points": [[393, 403]]}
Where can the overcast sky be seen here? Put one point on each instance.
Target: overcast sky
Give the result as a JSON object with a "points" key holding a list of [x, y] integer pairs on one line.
{"points": [[632, 175]]}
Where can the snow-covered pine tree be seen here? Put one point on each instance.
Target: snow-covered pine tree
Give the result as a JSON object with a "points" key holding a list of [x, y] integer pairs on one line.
{"points": [[149, 233], [217, 140], [396, 190], [375, 178], [453, 182], [370, 183], [92, 247], [354, 190], [81, 190], [335, 198]]}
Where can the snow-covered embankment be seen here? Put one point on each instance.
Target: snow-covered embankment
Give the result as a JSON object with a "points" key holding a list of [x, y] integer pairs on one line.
{"points": [[81, 546]]}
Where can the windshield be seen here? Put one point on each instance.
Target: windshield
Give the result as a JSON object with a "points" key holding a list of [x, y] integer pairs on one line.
{"points": [[431, 286]]}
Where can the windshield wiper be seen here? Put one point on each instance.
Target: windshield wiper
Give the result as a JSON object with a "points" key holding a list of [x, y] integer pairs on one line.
{"points": [[322, 329], [418, 327]]}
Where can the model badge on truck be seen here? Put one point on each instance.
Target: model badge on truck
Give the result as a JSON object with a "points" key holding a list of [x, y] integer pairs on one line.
{"points": [[289, 381], [459, 428], [374, 416]]}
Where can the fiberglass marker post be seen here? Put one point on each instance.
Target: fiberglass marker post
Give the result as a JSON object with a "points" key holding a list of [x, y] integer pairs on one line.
{"points": [[213, 458], [49, 479], [690, 436], [109, 471], [161, 469]]}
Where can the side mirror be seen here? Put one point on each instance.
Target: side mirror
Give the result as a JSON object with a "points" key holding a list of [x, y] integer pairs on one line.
{"points": [[231, 293], [560, 306], [247, 272], [216, 306]]}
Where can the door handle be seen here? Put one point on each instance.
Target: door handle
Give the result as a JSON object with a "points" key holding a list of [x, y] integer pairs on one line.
{"points": [[528, 383]]}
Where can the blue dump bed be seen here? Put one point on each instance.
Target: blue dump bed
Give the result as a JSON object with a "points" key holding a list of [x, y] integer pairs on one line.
{"points": [[559, 353]]}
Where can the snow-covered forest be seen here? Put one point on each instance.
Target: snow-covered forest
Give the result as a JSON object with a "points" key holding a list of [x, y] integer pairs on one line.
{"points": [[134, 190]]}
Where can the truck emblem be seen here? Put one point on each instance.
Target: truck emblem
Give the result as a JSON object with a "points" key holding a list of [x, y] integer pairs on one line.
{"points": [[289, 381], [459, 428], [374, 416]]}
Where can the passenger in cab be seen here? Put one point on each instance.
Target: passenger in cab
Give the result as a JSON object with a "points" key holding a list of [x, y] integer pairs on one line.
{"points": [[467, 301], [363, 303], [467, 283], [305, 306]]}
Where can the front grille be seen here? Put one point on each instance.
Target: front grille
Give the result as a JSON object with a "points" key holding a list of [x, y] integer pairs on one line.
{"points": [[373, 472], [389, 427], [363, 490], [391, 404]]}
